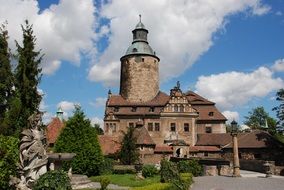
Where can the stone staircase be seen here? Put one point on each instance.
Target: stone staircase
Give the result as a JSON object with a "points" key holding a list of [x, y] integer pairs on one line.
{"points": [[82, 182]]}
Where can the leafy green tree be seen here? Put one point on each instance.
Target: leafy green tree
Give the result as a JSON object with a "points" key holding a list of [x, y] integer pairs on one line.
{"points": [[28, 74], [129, 153], [9, 155], [257, 119], [280, 109], [78, 136], [98, 129]]}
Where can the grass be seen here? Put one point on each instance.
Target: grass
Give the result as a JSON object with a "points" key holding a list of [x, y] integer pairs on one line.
{"points": [[128, 180]]}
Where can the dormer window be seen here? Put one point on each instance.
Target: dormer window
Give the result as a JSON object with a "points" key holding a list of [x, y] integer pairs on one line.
{"points": [[134, 109], [211, 114], [134, 50]]}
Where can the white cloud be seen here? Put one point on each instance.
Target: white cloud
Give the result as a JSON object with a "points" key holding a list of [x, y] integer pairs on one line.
{"points": [[278, 65], [231, 115], [279, 13], [63, 31], [100, 102], [67, 107], [97, 120], [179, 31], [237, 88]]}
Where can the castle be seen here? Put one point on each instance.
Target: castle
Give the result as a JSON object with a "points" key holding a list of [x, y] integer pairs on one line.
{"points": [[165, 124]]}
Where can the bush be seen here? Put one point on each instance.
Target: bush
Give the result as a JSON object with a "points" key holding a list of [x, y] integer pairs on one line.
{"points": [[169, 171], [190, 166], [104, 181], [53, 180], [9, 156], [149, 171], [107, 166], [78, 136], [155, 186], [184, 181]]}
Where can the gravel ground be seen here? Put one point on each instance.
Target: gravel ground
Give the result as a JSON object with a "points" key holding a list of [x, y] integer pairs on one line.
{"points": [[241, 183]]}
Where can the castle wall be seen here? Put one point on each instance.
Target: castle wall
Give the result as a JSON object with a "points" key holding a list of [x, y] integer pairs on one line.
{"points": [[139, 78]]}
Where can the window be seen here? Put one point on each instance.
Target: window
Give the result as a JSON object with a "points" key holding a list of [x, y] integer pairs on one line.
{"points": [[208, 130], [181, 108], [151, 109], [114, 127], [142, 59], [186, 127], [134, 50], [150, 126], [107, 127], [157, 126], [173, 127], [131, 124], [211, 113], [116, 109], [206, 154], [133, 109], [175, 108]]}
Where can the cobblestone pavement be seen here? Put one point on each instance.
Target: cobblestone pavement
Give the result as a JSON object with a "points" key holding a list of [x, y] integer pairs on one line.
{"points": [[241, 183]]}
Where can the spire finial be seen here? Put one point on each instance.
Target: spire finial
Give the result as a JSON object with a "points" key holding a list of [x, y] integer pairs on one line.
{"points": [[139, 17]]}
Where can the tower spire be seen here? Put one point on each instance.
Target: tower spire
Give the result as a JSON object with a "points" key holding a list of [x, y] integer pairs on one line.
{"points": [[139, 17]]}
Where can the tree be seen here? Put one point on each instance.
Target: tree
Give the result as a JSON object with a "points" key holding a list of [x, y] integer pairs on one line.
{"points": [[27, 75], [280, 109], [98, 129], [129, 153], [257, 119], [6, 78], [78, 136]]}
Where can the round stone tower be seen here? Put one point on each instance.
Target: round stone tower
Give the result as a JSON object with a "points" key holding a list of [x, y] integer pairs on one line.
{"points": [[139, 77]]}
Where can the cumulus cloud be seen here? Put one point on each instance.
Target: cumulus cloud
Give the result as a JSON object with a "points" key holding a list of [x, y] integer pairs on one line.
{"points": [[63, 31], [231, 115], [278, 65], [67, 107], [232, 89], [179, 31], [100, 102]]}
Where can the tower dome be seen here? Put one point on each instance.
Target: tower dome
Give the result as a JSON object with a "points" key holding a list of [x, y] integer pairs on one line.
{"points": [[139, 78]]}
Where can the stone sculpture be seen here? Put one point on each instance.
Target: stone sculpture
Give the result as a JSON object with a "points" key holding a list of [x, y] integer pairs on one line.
{"points": [[33, 157]]}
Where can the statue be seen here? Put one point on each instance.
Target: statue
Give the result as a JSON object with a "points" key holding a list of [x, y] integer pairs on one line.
{"points": [[33, 157]]}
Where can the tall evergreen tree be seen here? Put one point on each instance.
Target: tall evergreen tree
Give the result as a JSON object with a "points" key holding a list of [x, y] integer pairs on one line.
{"points": [[28, 74], [6, 76], [78, 136], [280, 109], [129, 153]]}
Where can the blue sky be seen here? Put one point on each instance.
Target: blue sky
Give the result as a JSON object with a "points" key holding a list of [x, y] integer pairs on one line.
{"points": [[229, 52]]}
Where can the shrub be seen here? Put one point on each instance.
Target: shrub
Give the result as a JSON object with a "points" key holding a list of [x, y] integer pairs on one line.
{"points": [[184, 181], [190, 166], [78, 136], [107, 166], [155, 186], [9, 156], [53, 180], [149, 171], [169, 171], [104, 181]]}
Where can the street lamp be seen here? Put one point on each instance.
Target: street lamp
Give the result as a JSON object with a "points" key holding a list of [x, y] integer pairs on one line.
{"points": [[236, 161]]}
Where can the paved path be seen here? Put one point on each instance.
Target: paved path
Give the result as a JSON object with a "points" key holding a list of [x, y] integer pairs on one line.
{"points": [[249, 181]]}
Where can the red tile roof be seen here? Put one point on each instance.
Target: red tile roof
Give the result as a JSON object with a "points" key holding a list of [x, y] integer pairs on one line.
{"points": [[163, 148], [204, 111], [143, 137], [195, 99], [109, 144], [254, 139], [53, 130]]}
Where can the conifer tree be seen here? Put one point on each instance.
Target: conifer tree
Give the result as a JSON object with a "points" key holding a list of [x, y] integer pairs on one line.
{"points": [[6, 76], [28, 75], [280, 109], [129, 153], [78, 136]]}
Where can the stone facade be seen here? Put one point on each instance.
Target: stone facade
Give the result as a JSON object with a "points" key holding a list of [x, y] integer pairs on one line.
{"points": [[133, 69]]}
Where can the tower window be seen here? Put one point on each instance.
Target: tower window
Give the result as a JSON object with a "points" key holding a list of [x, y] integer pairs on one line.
{"points": [[142, 59], [157, 126], [150, 126], [134, 50], [173, 127], [186, 127], [134, 109]]}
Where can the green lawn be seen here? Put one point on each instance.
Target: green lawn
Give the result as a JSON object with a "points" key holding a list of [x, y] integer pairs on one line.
{"points": [[128, 180]]}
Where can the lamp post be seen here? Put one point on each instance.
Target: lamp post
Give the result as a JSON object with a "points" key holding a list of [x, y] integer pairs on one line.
{"points": [[236, 161]]}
